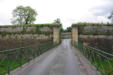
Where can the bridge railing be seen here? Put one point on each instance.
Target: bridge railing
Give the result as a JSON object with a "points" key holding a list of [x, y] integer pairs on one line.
{"points": [[13, 58], [103, 61]]}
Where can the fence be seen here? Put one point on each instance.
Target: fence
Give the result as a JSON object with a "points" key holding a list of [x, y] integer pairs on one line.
{"points": [[13, 58], [101, 60]]}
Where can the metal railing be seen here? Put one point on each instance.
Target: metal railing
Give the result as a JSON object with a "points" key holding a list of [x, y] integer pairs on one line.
{"points": [[103, 61], [13, 58]]}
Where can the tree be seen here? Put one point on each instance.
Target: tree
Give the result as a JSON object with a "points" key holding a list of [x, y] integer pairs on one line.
{"points": [[24, 15], [69, 29], [111, 16], [58, 21]]}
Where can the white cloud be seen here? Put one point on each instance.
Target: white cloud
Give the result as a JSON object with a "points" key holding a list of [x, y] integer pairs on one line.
{"points": [[69, 11], [1, 24]]}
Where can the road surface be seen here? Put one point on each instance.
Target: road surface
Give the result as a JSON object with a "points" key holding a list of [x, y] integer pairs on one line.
{"points": [[59, 61]]}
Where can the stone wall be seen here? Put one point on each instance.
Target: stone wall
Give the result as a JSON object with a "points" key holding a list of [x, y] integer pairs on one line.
{"points": [[27, 28], [95, 30], [66, 35], [17, 36], [98, 36], [33, 32]]}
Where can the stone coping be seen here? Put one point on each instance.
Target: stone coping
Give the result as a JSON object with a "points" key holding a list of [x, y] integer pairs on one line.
{"points": [[74, 25]]}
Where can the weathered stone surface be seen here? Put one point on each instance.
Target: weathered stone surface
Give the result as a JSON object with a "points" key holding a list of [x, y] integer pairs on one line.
{"points": [[56, 34], [30, 32], [26, 36], [74, 33], [46, 29], [97, 30], [27, 28]]}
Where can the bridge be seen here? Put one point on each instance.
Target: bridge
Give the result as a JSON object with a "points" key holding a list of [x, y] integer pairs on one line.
{"points": [[61, 60], [69, 57]]}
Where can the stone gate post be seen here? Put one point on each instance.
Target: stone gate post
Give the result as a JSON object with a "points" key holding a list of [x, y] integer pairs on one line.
{"points": [[56, 34], [74, 33]]}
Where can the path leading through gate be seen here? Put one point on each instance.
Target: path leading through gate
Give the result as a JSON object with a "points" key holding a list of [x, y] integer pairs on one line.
{"points": [[62, 60]]}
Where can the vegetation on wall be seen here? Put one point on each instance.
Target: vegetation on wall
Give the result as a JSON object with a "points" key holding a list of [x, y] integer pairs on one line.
{"points": [[18, 42], [94, 24], [58, 21], [24, 30], [29, 25], [5, 33], [94, 31], [95, 28], [105, 44]]}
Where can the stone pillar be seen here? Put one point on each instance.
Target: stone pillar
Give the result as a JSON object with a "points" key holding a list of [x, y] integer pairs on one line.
{"points": [[56, 34], [74, 33]]}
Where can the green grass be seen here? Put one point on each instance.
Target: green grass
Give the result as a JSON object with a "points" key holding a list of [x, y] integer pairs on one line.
{"points": [[102, 61], [104, 66], [27, 54], [13, 65]]}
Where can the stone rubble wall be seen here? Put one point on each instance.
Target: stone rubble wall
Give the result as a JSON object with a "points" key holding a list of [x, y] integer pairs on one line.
{"points": [[30, 32]]}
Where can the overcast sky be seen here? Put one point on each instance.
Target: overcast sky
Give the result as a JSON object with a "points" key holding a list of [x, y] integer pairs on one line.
{"points": [[69, 11]]}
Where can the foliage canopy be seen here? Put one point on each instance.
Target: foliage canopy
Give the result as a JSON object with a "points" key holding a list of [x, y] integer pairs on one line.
{"points": [[111, 16], [23, 15], [58, 21]]}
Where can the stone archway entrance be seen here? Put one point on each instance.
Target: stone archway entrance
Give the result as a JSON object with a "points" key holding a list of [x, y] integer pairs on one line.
{"points": [[57, 35]]}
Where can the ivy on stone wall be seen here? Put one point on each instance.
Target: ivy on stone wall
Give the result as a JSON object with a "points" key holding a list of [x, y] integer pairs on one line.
{"points": [[39, 25], [95, 30], [24, 29], [5, 33], [94, 24]]}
